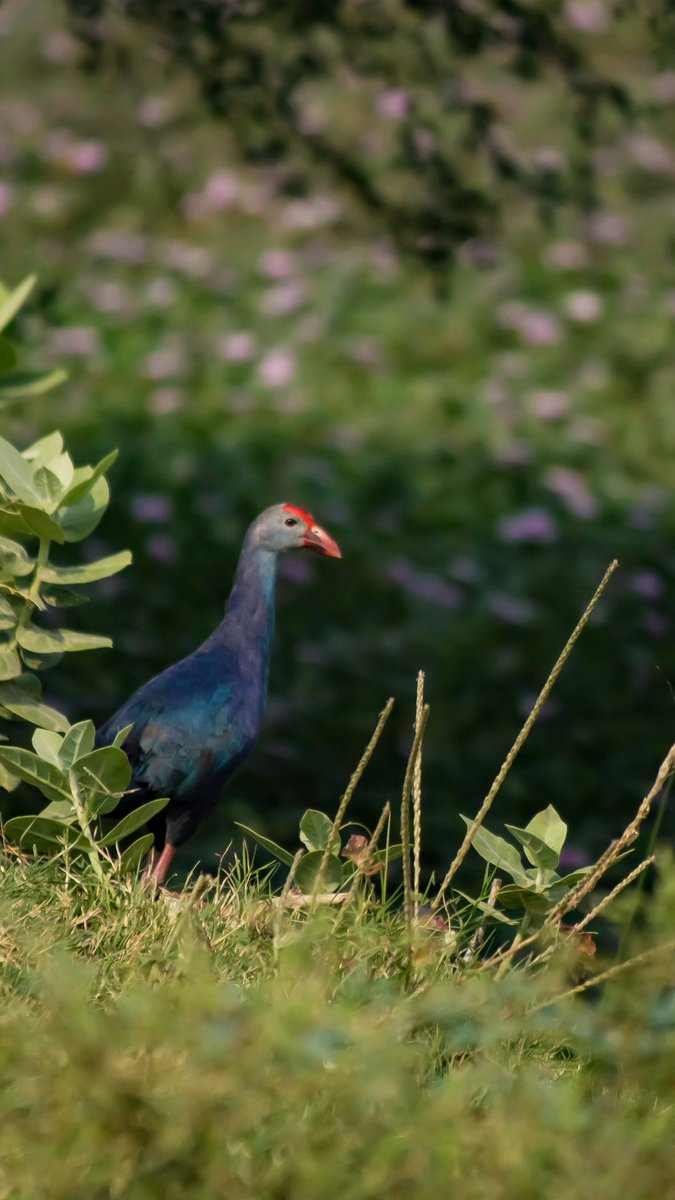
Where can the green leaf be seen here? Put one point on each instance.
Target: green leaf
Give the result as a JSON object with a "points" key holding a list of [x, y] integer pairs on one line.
{"points": [[60, 810], [105, 772], [14, 558], [40, 662], [498, 852], [10, 663], [16, 473], [7, 356], [58, 597], [49, 487], [134, 854], [55, 641], [40, 522], [576, 876], [8, 782], [47, 745], [79, 740], [550, 828], [86, 477], [46, 448], [132, 822], [308, 870], [122, 735], [537, 852], [43, 775], [44, 834], [11, 303], [21, 697], [267, 844], [522, 897], [87, 572], [80, 519], [315, 830], [23, 384], [8, 617]]}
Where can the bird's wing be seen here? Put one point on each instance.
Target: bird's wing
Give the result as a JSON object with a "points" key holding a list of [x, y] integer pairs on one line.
{"points": [[183, 727]]}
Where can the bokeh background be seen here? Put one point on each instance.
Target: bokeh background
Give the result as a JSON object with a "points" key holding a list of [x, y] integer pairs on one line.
{"points": [[464, 370]]}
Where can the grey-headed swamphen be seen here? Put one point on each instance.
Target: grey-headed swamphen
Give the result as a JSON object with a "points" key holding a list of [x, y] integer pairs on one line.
{"points": [[195, 722]]}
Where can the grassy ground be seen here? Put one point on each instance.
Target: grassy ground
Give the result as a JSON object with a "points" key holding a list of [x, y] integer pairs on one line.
{"points": [[154, 1048]]}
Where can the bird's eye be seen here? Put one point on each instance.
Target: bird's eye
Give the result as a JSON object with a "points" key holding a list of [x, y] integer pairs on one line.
{"points": [[290, 521]]}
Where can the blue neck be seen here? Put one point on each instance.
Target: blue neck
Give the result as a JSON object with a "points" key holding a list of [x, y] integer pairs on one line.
{"points": [[248, 624]]}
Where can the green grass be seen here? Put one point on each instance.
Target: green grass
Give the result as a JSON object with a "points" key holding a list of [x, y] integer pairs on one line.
{"points": [[154, 1048]]}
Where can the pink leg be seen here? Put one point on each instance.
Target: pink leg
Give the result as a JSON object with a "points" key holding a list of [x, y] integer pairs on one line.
{"points": [[158, 865]]}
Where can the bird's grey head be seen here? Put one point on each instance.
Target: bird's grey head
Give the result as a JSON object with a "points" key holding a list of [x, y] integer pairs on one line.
{"points": [[287, 527]]}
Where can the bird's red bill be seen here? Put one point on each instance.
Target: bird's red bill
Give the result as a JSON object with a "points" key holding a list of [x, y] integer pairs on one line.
{"points": [[318, 540]]}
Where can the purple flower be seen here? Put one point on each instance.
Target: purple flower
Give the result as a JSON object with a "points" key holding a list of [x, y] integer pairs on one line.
{"points": [[284, 298], [651, 154], [125, 247], [165, 400], [393, 104], [221, 190], [78, 340], [278, 264], [529, 525], [663, 87], [511, 609], [153, 112], [277, 368], [85, 158], [586, 16], [151, 508], [60, 47], [161, 292], [572, 490], [573, 857], [566, 256], [236, 347], [167, 362], [609, 228], [110, 297], [538, 328], [549, 406], [162, 549], [310, 213], [647, 584], [583, 307], [423, 585], [181, 256]]}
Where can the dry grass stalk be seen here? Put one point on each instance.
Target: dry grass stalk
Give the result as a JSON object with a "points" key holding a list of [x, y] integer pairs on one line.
{"points": [[604, 975], [417, 799], [618, 846], [479, 936], [405, 814], [350, 789], [522, 736], [607, 900]]}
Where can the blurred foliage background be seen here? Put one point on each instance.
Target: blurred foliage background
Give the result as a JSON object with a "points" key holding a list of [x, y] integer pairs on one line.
{"points": [[460, 359]]}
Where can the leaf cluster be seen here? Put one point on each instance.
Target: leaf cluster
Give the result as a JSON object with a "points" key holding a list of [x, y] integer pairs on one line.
{"points": [[440, 172]]}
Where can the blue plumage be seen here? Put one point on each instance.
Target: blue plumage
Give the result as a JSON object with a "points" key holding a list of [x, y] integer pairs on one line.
{"points": [[195, 722]]}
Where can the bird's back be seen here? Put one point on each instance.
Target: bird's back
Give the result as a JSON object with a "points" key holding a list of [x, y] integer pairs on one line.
{"points": [[191, 725]]}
